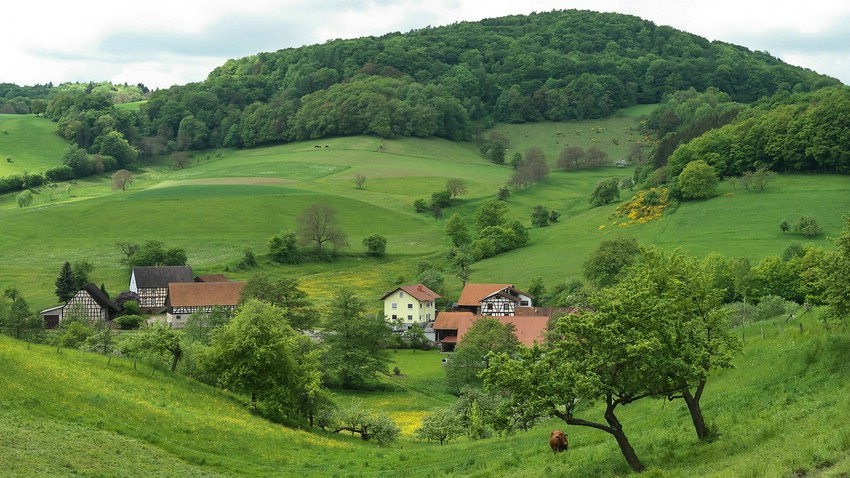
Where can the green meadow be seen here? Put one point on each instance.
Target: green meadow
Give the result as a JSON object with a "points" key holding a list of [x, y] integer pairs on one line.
{"points": [[79, 414], [225, 201], [31, 143]]}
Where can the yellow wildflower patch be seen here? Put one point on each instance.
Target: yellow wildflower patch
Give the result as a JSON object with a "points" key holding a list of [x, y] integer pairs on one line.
{"points": [[645, 206], [408, 421]]}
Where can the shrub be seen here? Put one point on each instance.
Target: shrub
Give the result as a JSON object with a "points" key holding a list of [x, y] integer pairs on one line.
{"points": [[131, 307], [808, 226], [127, 322], [420, 205], [376, 244], [59, 173], [771, 306], [24, 199]]}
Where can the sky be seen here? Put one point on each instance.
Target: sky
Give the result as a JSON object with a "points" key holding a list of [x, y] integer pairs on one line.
{"points": [[166, 42]]}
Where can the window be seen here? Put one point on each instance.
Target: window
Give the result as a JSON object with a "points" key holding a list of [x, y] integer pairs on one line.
{"points": [[420, 305], [401, 295], [523, 303], [410, 318], [489, 307], [506, 306], [409, 306], [395, 317], [395, 306], [428, 317]]}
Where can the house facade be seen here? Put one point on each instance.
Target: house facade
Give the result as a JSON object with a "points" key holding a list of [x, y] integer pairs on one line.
{"points": [[493, 299], [413, 304], [187, 298], [92, 303], [151, 284]]}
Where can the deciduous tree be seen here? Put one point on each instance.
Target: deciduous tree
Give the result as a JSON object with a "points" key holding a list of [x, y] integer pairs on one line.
{"points": [[376, 245], [455, 188], [318, 225], [698, 180], [121, 179], [356, 342]]}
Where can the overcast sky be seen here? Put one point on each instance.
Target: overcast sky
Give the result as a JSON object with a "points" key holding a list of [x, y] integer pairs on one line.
{"points": [[165, 42]]}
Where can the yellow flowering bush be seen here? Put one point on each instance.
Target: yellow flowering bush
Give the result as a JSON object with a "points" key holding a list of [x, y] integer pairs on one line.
{"points": [[645, 206]]}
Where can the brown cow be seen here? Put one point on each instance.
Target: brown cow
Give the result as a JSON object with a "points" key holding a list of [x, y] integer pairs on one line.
{"points": [[558, 441]]}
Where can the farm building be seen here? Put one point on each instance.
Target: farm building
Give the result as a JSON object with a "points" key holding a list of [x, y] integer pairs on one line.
{"points": [[530, 324], [151, 284], [92, 303], [187, 298], [493, 299], [413, 304]]}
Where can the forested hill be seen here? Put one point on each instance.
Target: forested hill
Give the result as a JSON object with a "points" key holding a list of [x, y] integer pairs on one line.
{"points": [[440, 81]]}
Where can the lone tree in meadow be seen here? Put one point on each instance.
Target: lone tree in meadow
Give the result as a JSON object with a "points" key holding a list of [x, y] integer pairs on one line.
{"points": [[318, 225], [657, 334], [121, 179], [376, 244], [606, 192], [455, 188], [359, 180]]}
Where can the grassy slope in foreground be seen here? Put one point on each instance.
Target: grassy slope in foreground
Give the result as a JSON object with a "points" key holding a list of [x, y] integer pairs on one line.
{"points": [[780, 413]]}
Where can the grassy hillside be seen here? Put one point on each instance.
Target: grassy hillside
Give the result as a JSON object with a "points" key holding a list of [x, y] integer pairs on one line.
{"points": [[779, 413], [31, 142], [226, 201]]}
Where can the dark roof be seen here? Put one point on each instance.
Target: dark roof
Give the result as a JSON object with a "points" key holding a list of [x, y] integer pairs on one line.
{"points": [[102, 300], [161, 276], [212, 278]]}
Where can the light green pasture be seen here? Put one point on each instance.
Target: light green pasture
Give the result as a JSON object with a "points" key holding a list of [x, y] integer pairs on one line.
{"points": [[31, 142]]}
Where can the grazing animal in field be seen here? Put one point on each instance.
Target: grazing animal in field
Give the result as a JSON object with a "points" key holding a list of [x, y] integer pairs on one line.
{"points": [[317, 146], [558, 441]]}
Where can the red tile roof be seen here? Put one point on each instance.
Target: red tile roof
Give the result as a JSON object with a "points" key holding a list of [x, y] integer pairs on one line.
{"points": [[473, 294], [199, 294], [418, 292], [528, 329], [449, 320]]}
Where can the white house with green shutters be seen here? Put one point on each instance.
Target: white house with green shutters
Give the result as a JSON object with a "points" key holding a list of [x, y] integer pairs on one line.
{"points": [[413, 304]]}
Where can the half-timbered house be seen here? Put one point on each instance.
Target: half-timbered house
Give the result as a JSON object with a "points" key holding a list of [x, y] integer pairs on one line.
{"points": [[91, 303], [151, 284], [493, 299], [187, 298]]}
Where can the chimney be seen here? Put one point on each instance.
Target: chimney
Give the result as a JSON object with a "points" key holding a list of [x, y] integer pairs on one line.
{"points": [[419, 287]]}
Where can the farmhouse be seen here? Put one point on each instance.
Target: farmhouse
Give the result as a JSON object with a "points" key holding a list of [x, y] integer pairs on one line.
{"points": [[413, 304], [187, 298], [151, 284], [493, 299], [92, 303]]}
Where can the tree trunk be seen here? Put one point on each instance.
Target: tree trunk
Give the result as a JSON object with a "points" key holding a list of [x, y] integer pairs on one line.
{"points": [[616, 429], [696, 411]]}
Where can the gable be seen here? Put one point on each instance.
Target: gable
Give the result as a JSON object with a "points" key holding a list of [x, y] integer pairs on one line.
{"points": [[418, 292], [473, 294]]}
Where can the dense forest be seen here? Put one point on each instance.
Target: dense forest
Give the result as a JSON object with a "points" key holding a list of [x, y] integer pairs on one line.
{"points": [[443, 81]]}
